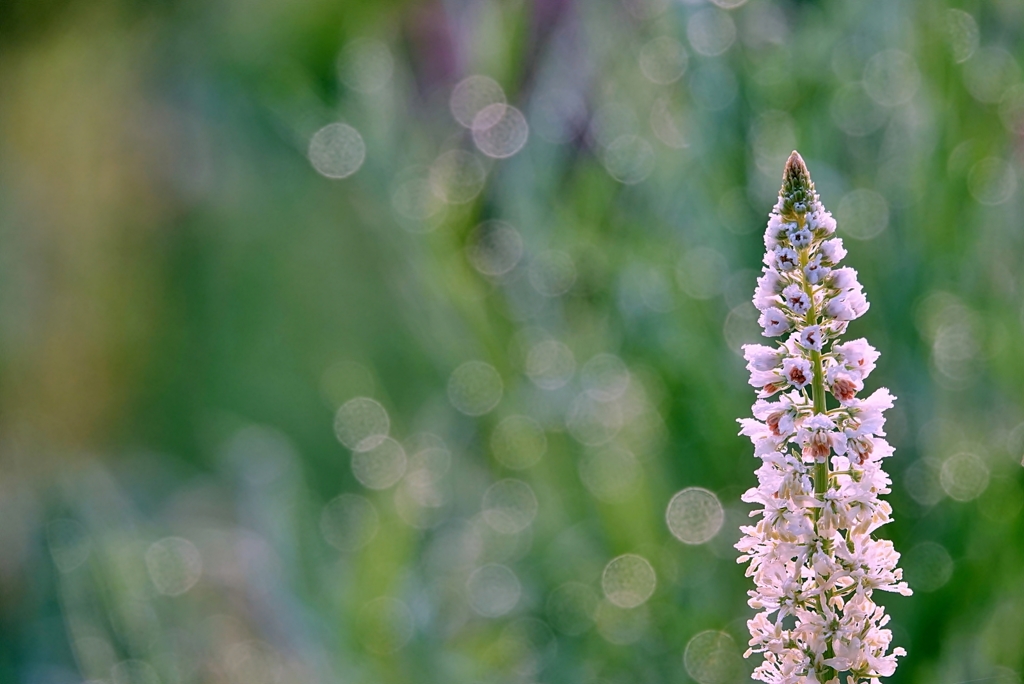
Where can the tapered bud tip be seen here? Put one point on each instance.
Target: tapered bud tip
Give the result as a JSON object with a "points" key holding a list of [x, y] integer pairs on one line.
{"points": [[796, 170], [797, 190]]}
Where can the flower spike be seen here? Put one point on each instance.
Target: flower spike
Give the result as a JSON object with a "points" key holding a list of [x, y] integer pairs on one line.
{"points": [[812, 554]]}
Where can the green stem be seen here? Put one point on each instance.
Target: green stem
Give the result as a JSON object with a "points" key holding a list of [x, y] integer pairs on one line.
{"points": [[821, 473], [818, 396]]}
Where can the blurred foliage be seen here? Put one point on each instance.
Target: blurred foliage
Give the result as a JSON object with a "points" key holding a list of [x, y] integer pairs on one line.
{"points": [[185, 303]]}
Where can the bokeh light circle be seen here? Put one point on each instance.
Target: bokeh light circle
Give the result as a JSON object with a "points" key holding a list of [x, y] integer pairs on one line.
{"points": [[964, 476], [891, 78], [493, 590], [361, 424], [605, 376], [629, 159], [962, 33], [927, 567], [862, 214], [174, 565], [429, 458], [457, 176], [694, 515], [663, 60], [475, 388], [415, 202], [349, 522], [593, 422], [921, 480], [1011, 109], [471, 95], [509, 506], [992, 181], [550, 364], [500, 130], [628, 581], [494, 248], [711, 657], [989, 73], [711, 31], [380, 467], [518, 442], [337, 150]]}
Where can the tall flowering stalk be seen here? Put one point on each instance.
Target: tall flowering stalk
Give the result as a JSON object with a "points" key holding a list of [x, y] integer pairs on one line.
{"points": [[812, 555]]}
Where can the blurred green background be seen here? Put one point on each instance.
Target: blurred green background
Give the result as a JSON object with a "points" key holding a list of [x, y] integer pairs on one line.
{"points": [[352, 341]]}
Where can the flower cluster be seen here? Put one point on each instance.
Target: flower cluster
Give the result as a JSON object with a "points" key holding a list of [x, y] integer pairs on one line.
{"points": [[812, 555]]}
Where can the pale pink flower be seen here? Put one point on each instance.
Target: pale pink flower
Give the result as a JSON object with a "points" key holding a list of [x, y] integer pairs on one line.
{"points": [[769, 285], [800, 238], [847, 306], [773, 321], [797, 371], [796, 299], [783, 258], [810, 337], [843, 384], [762, 358], [776, 231], [814, 271], [832, 251], [857, 355], [811, 553], [843, 278], [821, 222]]}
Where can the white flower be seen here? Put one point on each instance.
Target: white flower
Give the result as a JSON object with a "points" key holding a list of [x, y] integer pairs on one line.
{"points": [[814, 271], [769, 382], [857, 355], [810, 337], [769, 285], [797, 371], [868, 413], [779, 416], [773, 321], [821, 221], [843, 384], [784, 258], [811, 553], [832, 250], [843, 278], [817, 436], [801, 238], [762, 358], [796, 299], [765, 441], [847, 306], [775, 232]]}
